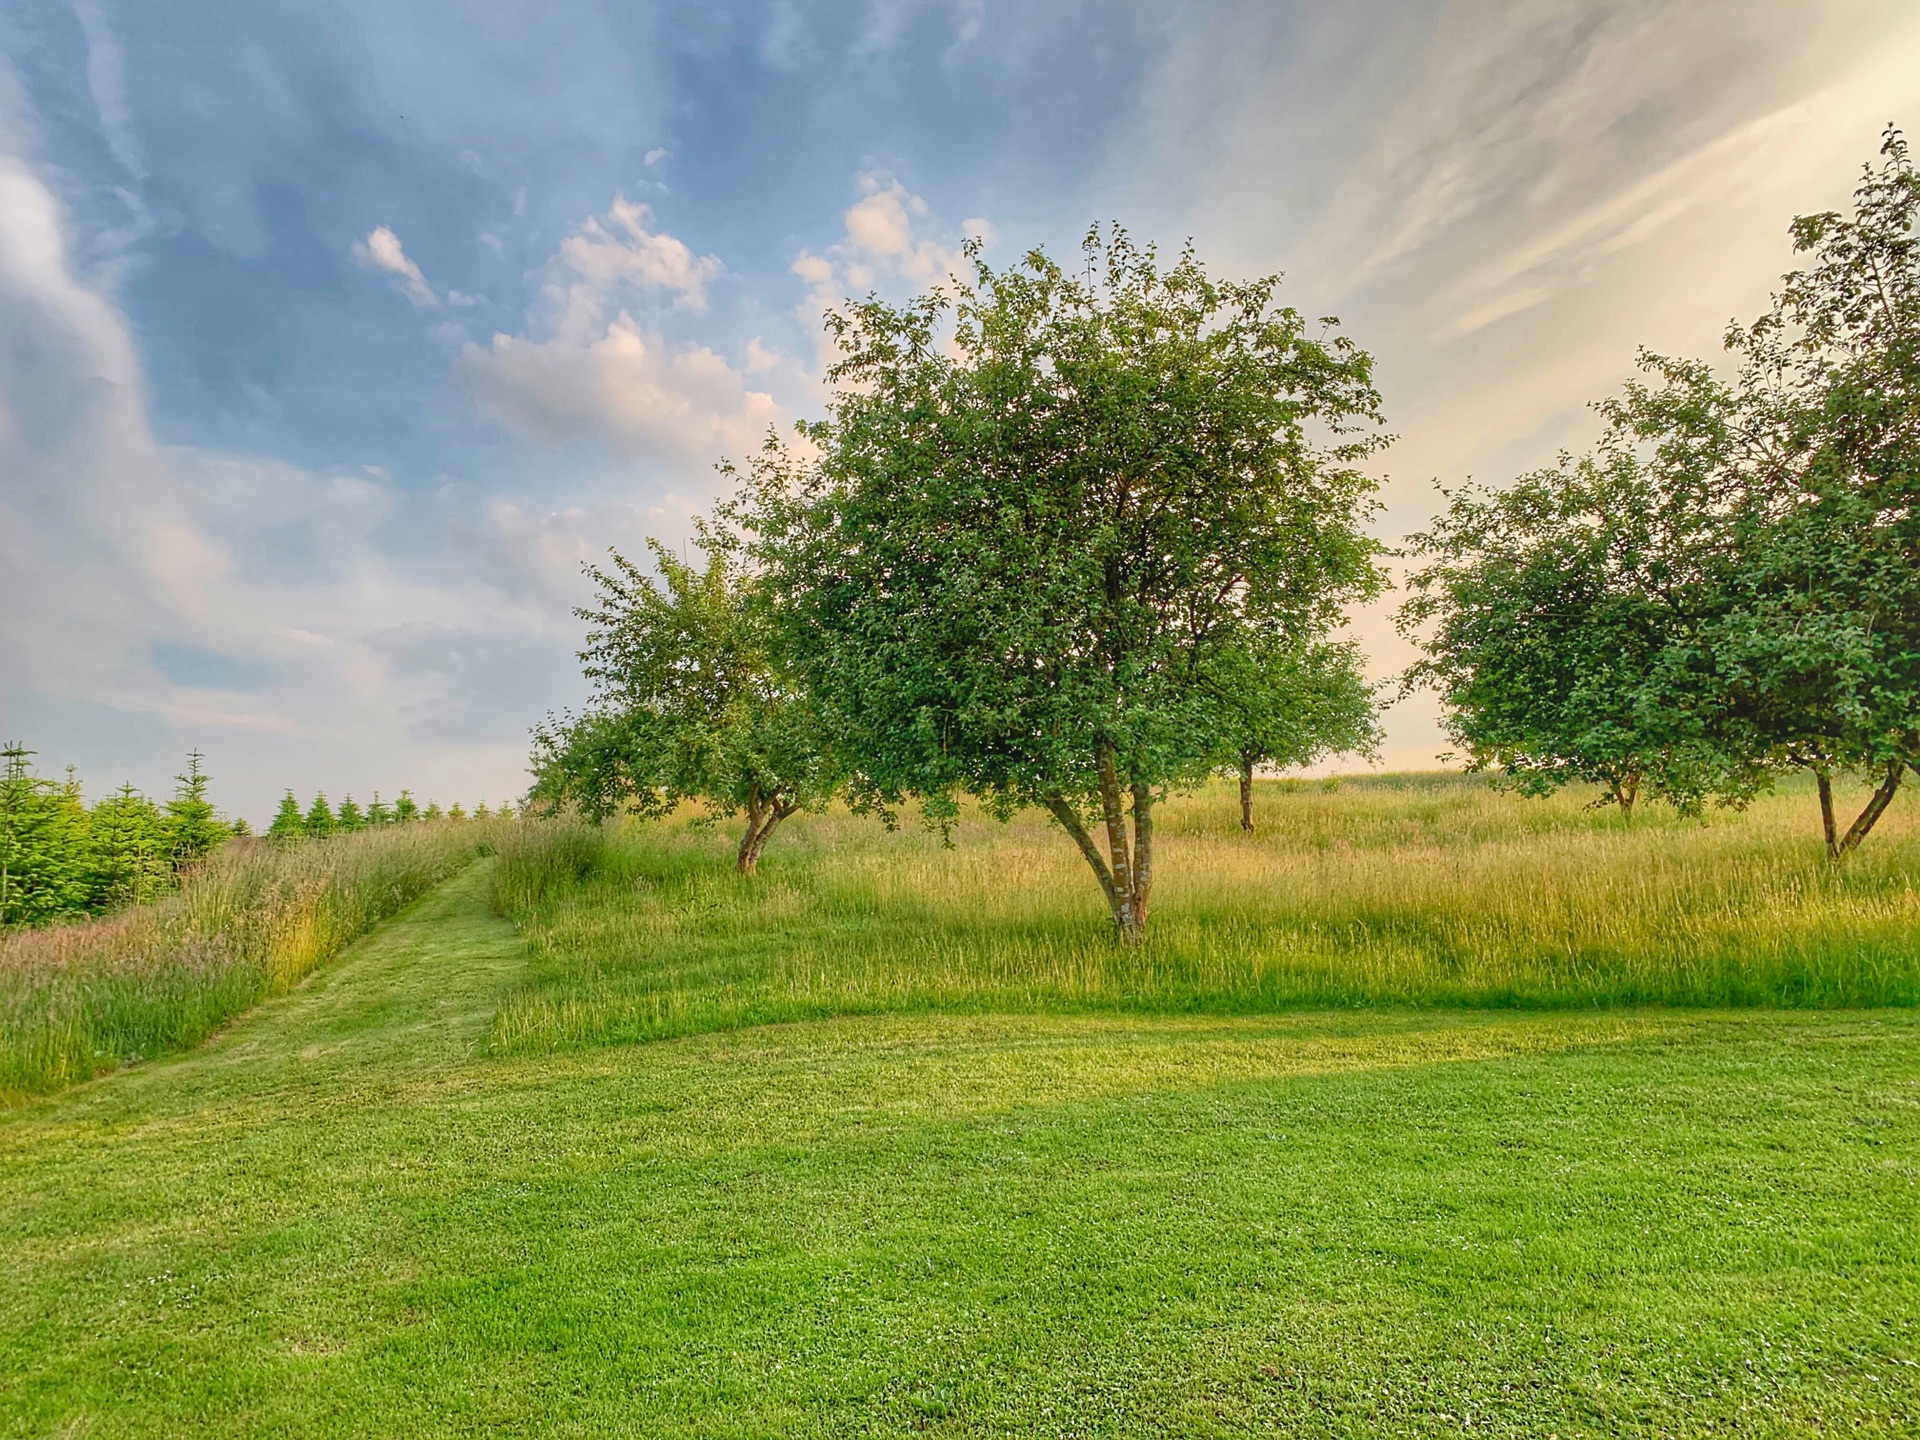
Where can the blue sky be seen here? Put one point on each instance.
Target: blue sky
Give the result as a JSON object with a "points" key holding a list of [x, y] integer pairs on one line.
{"points": [[333, 337]]}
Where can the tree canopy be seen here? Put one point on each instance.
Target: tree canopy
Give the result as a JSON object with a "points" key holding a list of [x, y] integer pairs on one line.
{"points": [[692, 701], [1290, 704]]}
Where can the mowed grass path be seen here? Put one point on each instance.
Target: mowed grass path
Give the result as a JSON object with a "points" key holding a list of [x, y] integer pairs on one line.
{"points": [[342, 1217]]}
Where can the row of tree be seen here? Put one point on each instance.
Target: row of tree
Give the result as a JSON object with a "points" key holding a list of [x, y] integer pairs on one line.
{"points": [[60, 856], [1728, 585], [1065, 539], [292, 821], [1070, 539]]}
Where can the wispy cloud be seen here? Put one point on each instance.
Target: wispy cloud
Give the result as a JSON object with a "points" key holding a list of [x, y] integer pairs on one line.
{"points": [[382, 251]]}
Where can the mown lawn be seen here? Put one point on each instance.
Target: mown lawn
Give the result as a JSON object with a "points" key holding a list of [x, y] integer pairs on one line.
{"points": [[345, 1217]]}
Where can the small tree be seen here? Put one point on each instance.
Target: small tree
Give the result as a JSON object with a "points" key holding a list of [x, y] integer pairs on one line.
{"points": [[132, 848], [193, 828], [480, 811], [433, 811], [1045, 506], [288, 823], [44, 844], [320, 821], [349, 816], [378, 811], [1291, 705], [456, 813], [405, 811], [691, 703]]}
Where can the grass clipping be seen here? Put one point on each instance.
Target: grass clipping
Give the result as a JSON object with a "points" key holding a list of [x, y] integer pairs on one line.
{"points": [[253, 921]]}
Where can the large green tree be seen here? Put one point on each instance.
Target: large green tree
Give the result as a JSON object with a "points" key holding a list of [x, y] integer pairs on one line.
{"points": [[1042, 505], [1731, 585], [692, 701], [1823, 646]]}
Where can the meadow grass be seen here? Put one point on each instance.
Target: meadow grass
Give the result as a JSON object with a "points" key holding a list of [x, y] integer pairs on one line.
{"points": [[252, 921], [342, 1218], [1394, 890]]}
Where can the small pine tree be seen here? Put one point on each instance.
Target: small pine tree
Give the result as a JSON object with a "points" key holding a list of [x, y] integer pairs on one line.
{"points": [[320, 822], [192, 826], [133, 857], [288, 823], [45, 846], [480, 811], [404, 809], [239, 825], [433, 811], [456, 813], [349, 817], [378, 811], [505, 812]]}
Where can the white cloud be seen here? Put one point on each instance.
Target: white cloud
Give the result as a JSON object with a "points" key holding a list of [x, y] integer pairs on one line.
{"points": [[885, 246], [625, 386], [1504, 198], [621, 248], [382, 251], [587, 368], [656, 155]]}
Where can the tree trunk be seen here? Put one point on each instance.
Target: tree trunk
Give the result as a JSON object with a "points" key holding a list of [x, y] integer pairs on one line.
{"points": [[762, 817], [1825, 783], [1125, 871], [1877, 804], [1246, 795], [1120, 857], [1142, 855], [1069, 820], [1625, 792]]}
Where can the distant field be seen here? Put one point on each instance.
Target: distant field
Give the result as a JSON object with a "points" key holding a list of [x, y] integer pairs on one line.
{"points": [[341, 1217], [1414, 890]]}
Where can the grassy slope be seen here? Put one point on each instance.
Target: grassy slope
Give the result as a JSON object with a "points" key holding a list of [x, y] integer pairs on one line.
{"points": [[340, 1218]]}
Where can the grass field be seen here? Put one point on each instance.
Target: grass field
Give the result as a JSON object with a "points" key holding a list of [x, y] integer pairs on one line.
{"points": [[1404, 890], [356, 1212]]}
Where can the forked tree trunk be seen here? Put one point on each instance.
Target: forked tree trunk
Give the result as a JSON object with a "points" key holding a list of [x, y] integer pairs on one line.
{"points": [[1625, 791], [1246, 795], [1125, 871], [763, 815], [1840, 846]]}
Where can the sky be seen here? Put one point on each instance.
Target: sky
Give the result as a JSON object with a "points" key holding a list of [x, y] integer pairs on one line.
{"points": [[334, 337]]}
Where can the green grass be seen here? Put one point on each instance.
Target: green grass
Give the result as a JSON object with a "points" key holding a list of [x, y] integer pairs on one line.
{"points": [[252, 921], [1403, 891], [342, 1217]]}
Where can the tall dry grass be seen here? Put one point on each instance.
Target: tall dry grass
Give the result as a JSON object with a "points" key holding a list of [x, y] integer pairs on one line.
{"points": [[254, 921], [1386, 891]]}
